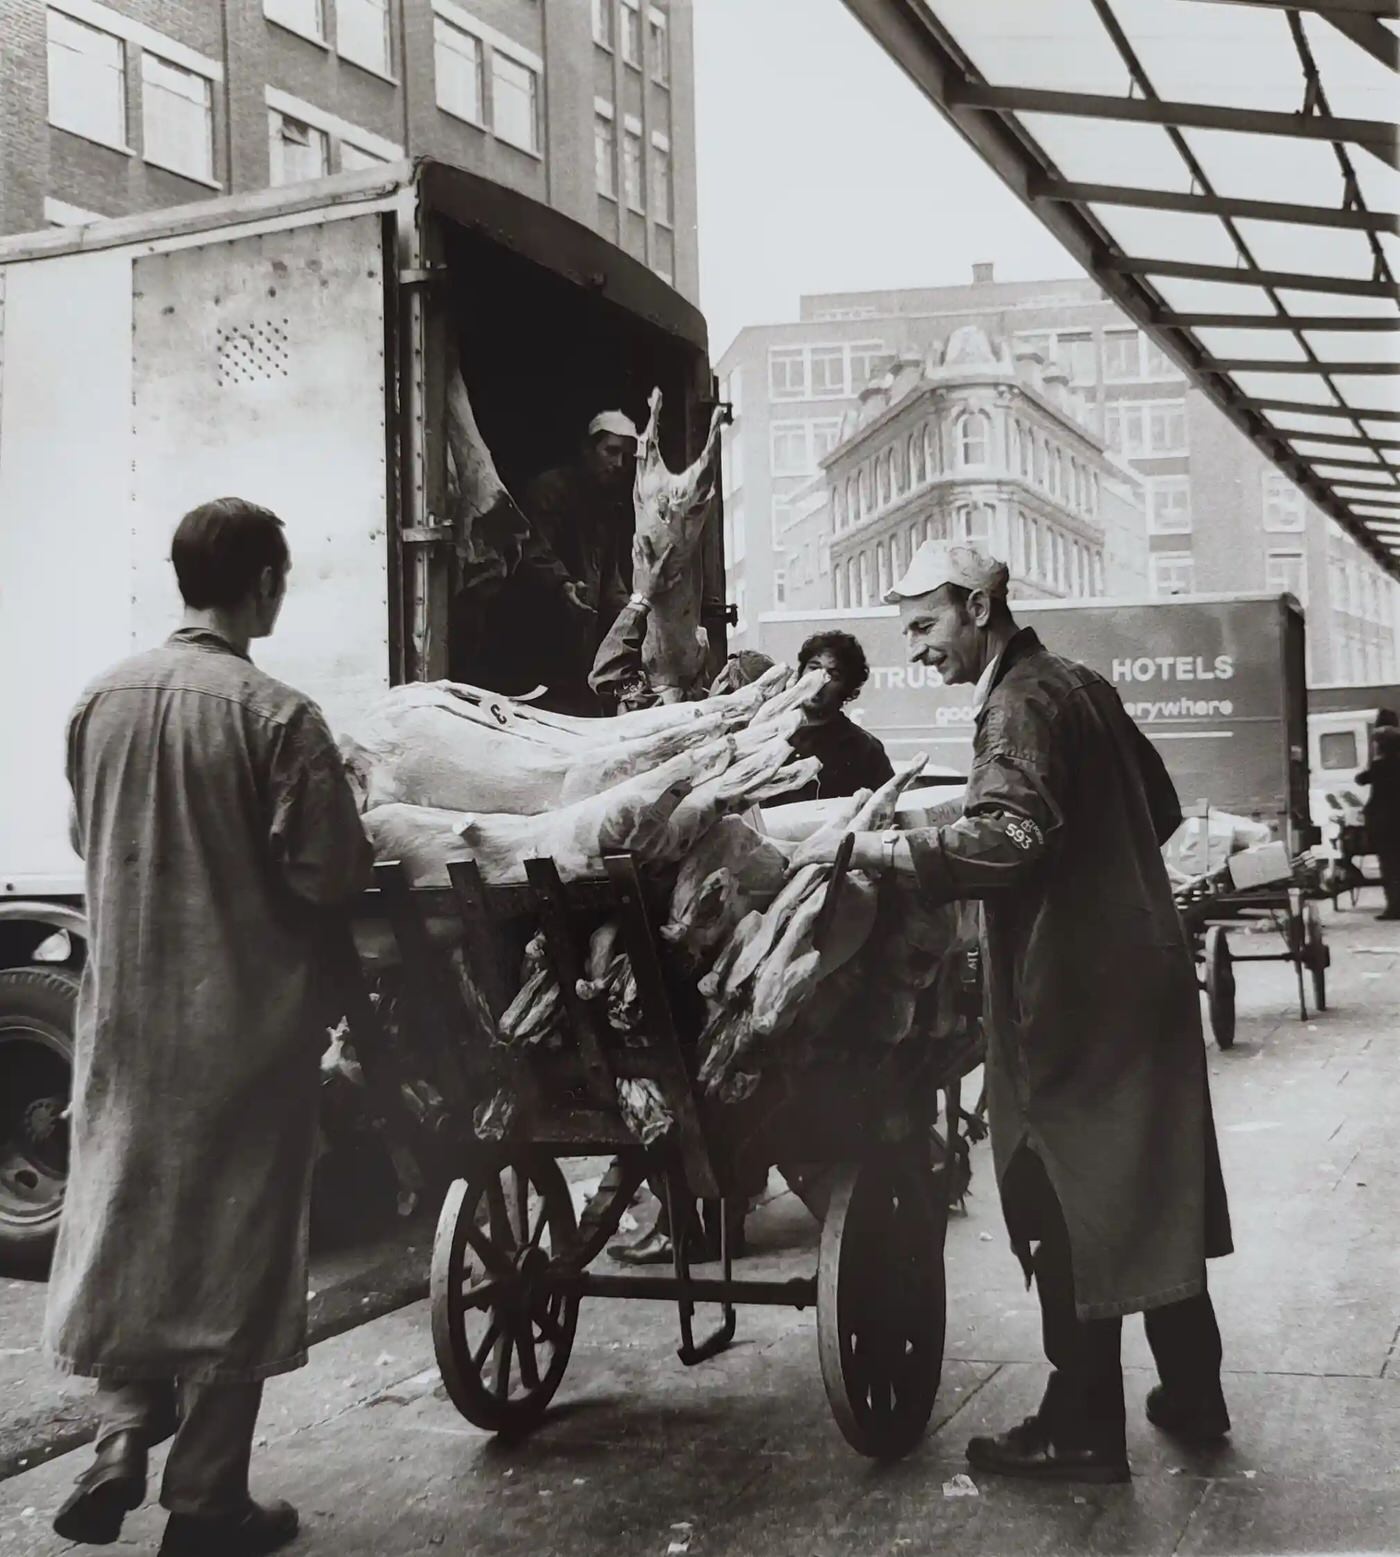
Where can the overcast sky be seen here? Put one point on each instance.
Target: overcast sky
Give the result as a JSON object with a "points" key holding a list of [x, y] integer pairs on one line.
{"points": [[822, 168]]}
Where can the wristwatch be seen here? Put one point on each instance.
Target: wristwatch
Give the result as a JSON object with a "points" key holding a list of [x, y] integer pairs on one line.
{"points": [[639, 600], [889, 841]]}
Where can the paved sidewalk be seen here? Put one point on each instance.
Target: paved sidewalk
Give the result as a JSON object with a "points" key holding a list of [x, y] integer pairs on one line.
{"points": [[740, 1456]]}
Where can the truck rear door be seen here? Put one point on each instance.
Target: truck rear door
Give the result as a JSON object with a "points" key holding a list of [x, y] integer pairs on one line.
{"points": [[258, 370]]}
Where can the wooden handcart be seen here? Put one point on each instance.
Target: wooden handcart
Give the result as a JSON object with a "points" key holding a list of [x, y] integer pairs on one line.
{"points": [[512, 1262], [1211, 910]]}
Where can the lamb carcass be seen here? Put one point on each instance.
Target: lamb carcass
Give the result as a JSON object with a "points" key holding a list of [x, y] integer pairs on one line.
{"points": [[671, 511]]}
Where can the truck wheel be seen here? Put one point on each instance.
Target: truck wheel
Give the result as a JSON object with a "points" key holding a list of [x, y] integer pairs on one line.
{"points": [[37, 1008]]}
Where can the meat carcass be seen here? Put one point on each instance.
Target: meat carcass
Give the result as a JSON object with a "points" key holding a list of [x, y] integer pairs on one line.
{"points": [[671, 511], [489, 530]]}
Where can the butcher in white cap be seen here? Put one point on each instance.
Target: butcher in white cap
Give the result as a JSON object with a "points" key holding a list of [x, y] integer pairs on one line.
{"points": [[577, 562], [1100, 1112]]}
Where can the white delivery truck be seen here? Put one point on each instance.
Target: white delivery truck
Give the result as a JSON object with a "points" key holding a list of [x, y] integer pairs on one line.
{"points": [[288, 346]]}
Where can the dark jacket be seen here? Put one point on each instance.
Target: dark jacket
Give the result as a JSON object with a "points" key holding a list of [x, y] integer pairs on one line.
{"points": [[1095, 1059], [619, 677], [851, 759], [1382, 809]]}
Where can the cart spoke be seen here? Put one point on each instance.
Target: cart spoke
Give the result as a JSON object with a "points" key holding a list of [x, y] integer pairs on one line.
{"points": [[540, 1223], [479, 1356], [525, 1349], [481, 1294], [501, 1229], [504, 1348], [550, 1330], [521, 1225], [490, 1256]]}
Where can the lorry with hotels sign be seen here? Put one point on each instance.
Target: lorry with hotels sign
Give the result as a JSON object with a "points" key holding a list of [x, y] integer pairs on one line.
{"points": [[1217, 682]]}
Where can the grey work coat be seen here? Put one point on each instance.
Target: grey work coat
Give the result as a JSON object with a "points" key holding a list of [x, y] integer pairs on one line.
{"points": [[217, 828], [1095, 1059]]}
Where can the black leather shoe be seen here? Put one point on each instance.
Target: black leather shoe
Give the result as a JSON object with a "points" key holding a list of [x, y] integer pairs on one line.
{"points": [[107, 1491], [654, 1249], [1027, 1451], [257, 1529], [1199, 1420]]}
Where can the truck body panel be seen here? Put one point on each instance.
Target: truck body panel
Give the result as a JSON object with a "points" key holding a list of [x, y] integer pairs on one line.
{"points": [[288, 346], [1216, 682]]}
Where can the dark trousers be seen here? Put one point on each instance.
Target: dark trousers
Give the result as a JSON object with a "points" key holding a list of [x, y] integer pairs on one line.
{"points": [[1083, 1405], [206, 1471], [1388, 858]]}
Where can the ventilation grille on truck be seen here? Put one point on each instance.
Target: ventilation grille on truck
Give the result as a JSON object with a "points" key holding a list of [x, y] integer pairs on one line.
{"points": [[252, 352]]}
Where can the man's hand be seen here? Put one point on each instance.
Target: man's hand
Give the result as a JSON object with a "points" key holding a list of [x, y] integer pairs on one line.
{"points": [[657, 566], [574, 595]]}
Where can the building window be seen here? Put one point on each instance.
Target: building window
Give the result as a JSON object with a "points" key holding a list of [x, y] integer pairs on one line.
{"points": [[787, 373], [1080, 357], [514, 103], [605, 154], [306, 17], [973, 522], [838, 508], [659, 46], [1040, 449], [828, 370], [733, 470], [1166, 427], [87, 81], [1169, 505], [824, 557], [362, 33], [1155, 362], [177, 119], [604, 21], [741, 606], [296, 151], [864, 594], [779, 587], [1120, 355], [460, 69], [1172, 572], [863, 357], [916, 460], [740, 533], [1283, 502], [661, 194], [1057, 473], [789, 448], [974, 434], [826, 434], [731, 390], [933, 452], [631, 17], [1286, 573], [632, 164]]}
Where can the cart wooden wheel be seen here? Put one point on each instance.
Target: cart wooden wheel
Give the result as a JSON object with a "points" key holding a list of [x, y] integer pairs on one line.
{"points": [[1316, 954], [881, 1303], [502, 1333], [1220, 985]]}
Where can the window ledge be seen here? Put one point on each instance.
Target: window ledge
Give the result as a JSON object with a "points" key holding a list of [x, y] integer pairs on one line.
{"points": [[192, 178], [607, 48], [296, 32], [370, 70], [660, 221], [94, 140], [604, 195], [452, 113], [636, 210], [525, 151]]}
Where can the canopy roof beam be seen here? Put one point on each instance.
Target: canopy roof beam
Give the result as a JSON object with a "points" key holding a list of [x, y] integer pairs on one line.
{"points": [[1269, 365], [1174, 319], [1246, 275], [1319, 408], [1375, 135], [1216, 205]]}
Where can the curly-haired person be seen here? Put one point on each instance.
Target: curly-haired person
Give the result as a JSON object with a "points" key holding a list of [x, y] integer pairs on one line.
{"points": [[851, 758]]}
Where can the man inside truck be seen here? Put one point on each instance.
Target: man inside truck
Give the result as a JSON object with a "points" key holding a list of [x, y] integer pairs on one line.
{"points": [[1100, 1111], [221, 840], [578, 554]]}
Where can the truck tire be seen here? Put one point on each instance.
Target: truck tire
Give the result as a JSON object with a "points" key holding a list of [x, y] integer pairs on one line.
{"points": [[37, 1010]]}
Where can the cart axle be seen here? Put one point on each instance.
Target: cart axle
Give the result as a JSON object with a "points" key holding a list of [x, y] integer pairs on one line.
{"points": [[798, 1292]]}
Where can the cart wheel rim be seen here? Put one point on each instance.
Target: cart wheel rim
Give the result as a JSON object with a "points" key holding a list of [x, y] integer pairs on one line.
{"points": [[881, 1304], [1220, 986], [502, 1332]]}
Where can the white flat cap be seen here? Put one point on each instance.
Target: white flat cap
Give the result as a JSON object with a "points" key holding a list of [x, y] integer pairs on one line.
{"points": [[613, 422], [936, 563]]}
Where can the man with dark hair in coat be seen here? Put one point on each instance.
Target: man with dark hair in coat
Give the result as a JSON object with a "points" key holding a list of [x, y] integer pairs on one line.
{"points": [[1096, 1076], [221, 841]]}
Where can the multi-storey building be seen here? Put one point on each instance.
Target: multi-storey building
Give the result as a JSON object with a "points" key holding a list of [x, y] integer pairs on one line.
{"points": [[1215, 515], [975, 443], [108, 107]]}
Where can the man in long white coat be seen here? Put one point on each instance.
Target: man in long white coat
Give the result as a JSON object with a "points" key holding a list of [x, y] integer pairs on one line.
{"points": [[220, 837]]}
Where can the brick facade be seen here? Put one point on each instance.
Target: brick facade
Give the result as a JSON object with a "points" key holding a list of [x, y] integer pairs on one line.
{"points": [[396, 110]]}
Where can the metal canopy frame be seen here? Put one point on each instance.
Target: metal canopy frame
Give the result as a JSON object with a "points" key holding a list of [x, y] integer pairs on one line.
{"points": [[937, 42]]}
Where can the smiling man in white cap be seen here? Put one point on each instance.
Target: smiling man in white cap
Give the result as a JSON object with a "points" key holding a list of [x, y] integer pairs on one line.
{"points": [[578, 556], [1100, 1113]]}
